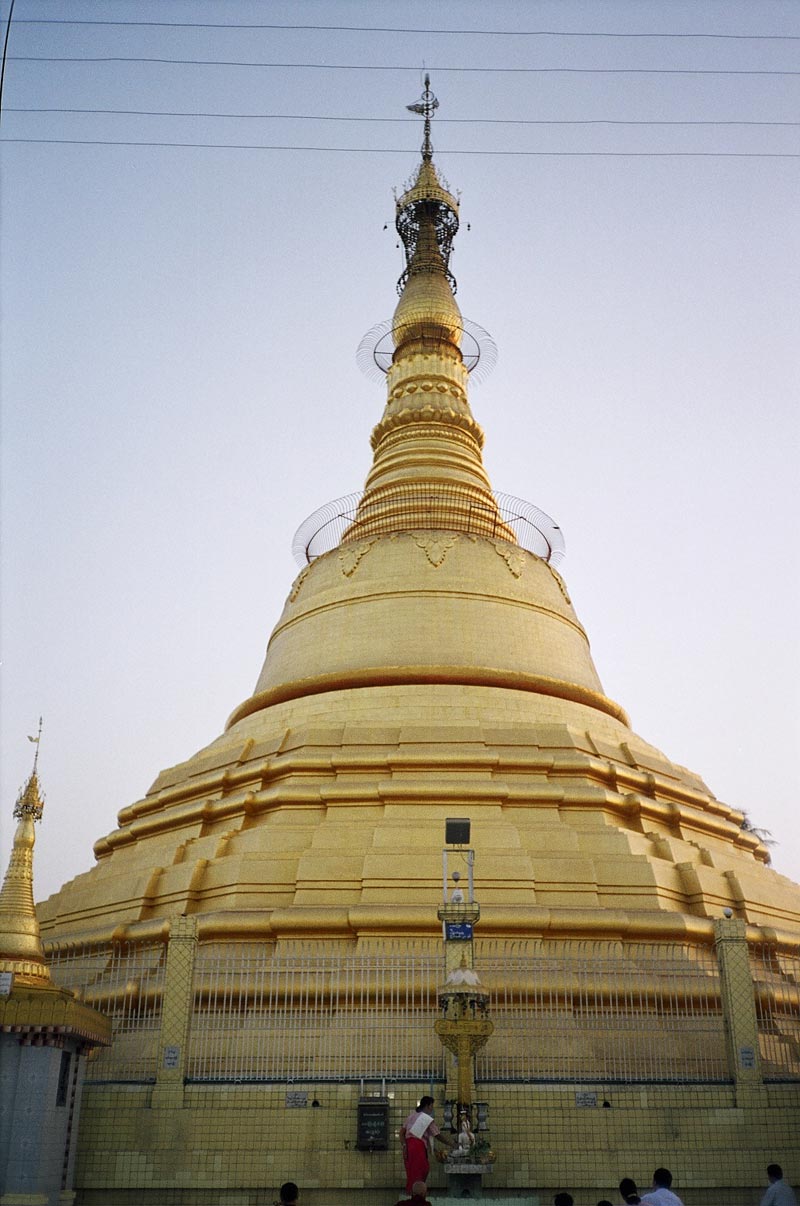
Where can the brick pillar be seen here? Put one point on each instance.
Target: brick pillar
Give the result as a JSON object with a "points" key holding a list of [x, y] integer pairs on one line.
{"points": [[176, 1013], [739, 1008]]}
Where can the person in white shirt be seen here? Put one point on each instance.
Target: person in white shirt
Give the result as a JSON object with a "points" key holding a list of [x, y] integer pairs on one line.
{"points": [[779, 1192], [661, 1194], [416, 1136]]}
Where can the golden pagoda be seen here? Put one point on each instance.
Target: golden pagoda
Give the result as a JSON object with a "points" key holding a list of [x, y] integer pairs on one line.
{"points": [[45, 1034], [429, 663], [21, 953], [425, 660]]}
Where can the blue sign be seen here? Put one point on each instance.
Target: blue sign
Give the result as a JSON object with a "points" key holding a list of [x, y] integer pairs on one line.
{"points": [[461, 930]]}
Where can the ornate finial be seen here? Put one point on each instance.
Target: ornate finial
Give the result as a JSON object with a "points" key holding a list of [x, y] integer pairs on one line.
{"points": [[36, 741], [426, 106], [30, 801], [427, 213]]}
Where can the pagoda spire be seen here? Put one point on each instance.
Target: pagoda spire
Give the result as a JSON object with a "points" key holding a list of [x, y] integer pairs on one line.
{"points": [[21, 950], [427, 470]]}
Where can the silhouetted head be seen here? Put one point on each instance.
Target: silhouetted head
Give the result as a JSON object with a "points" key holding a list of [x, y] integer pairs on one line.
{"points": [[289, 1194], [425, 1104], [774, 1172], [662, 1178], [563, 1199], [628, 1191]]}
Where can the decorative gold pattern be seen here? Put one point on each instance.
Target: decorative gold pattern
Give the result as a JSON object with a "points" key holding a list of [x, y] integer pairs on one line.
{"points": [[441, 387], [427, 414], [560, 583], [30, 801], [513, 556], [435, 545], [350, 555], [464, 1038], [297, 584]]}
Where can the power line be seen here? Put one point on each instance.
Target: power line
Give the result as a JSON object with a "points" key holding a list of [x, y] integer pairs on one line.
{"points": [[440, 121], [5, 54], [226, 146], [399, 67], [483, 33]]}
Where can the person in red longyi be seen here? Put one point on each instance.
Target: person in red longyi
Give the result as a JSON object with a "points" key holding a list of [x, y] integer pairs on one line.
{"points": [[417, 1135]]}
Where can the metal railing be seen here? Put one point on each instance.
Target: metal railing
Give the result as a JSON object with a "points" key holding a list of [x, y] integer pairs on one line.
{"points": [[776, 983], [259, 1016], [569, 1012], [587, 1012], [124, 981], [596, 1012], [423, 506]]}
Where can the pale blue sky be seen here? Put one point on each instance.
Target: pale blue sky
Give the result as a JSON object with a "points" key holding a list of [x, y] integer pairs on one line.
{"points": [[179, 386]]}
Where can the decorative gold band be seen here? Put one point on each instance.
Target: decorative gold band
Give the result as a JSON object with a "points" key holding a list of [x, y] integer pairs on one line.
{"points": [[378, 921], [394, 676]]}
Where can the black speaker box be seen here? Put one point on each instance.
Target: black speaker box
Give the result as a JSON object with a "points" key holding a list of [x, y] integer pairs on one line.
{"points": [[456, 831]]}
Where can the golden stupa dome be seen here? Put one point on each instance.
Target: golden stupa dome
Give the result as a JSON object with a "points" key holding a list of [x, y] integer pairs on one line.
{"points": [[427, 662], [428, 606]]}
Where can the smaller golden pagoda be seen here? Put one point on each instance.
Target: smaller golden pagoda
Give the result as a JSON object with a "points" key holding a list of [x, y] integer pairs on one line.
{"points": [[21, 953], [45, 1033]]}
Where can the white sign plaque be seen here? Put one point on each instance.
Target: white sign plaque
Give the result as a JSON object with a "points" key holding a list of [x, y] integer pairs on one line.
{"points": [[747, 1057], [172, 1056]]}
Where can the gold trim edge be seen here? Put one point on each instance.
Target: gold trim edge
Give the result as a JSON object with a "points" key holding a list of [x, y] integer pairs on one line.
{"points": [[399, 676], [390, 921]]}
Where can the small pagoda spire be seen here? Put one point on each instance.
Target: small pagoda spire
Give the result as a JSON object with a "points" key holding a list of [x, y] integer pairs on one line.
{"points": [[21, 951]]}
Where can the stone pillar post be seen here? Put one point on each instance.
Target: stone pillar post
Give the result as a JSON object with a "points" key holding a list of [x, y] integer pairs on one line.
{"points": [[176, 1013], [738, 1007]]}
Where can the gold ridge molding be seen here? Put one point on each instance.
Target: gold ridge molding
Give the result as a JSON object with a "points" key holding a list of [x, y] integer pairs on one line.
{"points": [[398, 676], [52, 1012], [426, 416], [386, 921]]}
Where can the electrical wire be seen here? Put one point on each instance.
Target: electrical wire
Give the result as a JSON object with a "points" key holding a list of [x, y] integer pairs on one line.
{"points": [[6, 36], [361, 67], [483, 33], [226, 146], [440, 121]]}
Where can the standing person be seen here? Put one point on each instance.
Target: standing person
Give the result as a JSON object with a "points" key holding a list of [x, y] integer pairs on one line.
{"points": [[779, 1192], [661, 1194], [417, 1135]]}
